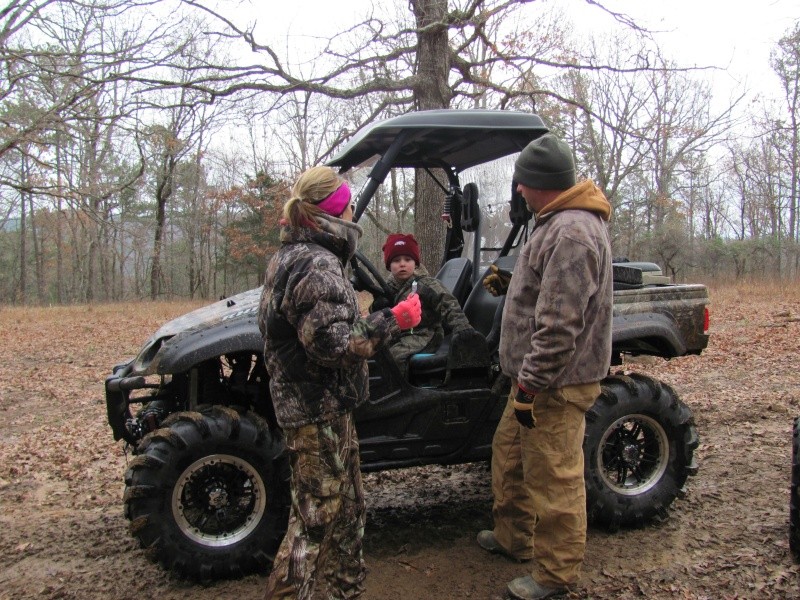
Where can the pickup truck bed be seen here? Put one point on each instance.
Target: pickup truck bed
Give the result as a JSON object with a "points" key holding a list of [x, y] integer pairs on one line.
{"points": [[661, 320]]}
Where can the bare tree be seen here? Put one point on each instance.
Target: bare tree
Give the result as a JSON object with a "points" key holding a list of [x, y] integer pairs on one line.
{"points": [[608, 130], [785, 60], [171, 143], [419, 62], [30, 51], [63, 108]]}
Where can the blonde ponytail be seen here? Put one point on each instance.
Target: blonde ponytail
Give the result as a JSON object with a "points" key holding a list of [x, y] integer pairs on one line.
{"points": [[311, 187]]}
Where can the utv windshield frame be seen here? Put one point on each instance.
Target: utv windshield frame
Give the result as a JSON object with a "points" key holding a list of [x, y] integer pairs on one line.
{"points": [[450, 140]]}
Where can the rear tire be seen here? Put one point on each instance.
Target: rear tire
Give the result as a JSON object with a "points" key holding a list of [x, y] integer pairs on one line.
{"points": [[639, 446], [208, 494], [794, 498]]}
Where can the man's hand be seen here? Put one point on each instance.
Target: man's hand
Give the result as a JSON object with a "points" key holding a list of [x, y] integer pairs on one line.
{"points": [[496, 282], [523, 408]]}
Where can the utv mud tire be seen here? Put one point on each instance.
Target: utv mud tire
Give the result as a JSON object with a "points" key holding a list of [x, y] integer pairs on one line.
{"points": [[794, 499], [639, 446], [208, 494]]}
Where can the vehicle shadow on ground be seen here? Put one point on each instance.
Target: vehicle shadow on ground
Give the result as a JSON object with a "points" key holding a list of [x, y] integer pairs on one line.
{"points": [[426, 507]]}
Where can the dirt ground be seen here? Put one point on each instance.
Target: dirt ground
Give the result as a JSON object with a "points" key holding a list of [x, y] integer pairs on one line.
{"points": [[63, 534]]}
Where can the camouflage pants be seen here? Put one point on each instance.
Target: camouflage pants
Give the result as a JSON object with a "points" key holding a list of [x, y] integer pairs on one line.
{"points": [[406, 347], [320, 556]]}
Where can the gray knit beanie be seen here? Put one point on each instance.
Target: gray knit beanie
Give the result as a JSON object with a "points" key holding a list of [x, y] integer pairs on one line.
{"points": [[545, 164]]}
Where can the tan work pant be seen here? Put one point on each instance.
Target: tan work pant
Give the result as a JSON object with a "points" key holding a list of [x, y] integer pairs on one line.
{"points": [[539, 505]]}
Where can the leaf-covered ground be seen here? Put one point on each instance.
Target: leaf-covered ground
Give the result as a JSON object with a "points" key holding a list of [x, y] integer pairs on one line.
{"points": [[63, 535]]}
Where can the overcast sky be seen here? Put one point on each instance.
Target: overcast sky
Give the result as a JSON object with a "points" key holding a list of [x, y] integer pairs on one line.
{"points": [[736, 35]]}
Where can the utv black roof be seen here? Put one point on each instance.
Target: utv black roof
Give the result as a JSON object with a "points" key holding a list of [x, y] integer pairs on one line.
{"points": [[455, 139]]}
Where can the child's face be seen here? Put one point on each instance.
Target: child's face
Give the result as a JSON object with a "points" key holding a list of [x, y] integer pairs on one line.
{"points": [[402, 267]]}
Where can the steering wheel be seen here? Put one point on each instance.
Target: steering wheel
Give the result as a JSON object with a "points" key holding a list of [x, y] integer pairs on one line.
{"points": [[367, 277]]}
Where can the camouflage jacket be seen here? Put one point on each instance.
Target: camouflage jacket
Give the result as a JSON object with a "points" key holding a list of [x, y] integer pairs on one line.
{"points": [[315, 343], [556, 328], [441, 314]]}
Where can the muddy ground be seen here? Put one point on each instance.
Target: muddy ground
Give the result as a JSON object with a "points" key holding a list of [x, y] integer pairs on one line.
{"points": [[63, 535]]}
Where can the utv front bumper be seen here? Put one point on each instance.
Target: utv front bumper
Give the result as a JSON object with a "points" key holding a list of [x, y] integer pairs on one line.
{"points": [[118, 388]]}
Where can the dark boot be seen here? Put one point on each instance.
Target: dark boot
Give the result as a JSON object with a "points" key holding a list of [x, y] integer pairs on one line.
{"points": [[488, 542]]}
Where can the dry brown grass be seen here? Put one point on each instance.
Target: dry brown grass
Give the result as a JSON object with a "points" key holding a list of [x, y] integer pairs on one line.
{"points": [[757, 290], [158, 310], [61, 487]]}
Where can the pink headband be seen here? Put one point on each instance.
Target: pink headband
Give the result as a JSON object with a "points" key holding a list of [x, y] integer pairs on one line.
{"points": [[336, 202]]}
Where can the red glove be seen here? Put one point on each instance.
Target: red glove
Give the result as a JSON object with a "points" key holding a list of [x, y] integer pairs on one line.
{"points": [[408, 313]]}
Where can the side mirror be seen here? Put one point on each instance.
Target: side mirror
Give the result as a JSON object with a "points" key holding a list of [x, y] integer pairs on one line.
{"points": [[519, 213], [470, 211]]}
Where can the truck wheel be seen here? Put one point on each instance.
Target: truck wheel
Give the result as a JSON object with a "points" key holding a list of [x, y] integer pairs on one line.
{"points": [[208, 494], [639, 446], [794, 499]]}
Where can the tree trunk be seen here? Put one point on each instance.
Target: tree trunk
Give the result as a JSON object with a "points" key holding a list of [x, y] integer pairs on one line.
{"points": [[163, 193], [795, 182], [91, 260], [38, 259], [59, 233], [431, 91], [23, 258]]}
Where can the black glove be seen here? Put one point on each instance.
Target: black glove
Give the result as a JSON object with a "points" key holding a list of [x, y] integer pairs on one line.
{"points": [[426, 295], [496, 282], [523, 408]]}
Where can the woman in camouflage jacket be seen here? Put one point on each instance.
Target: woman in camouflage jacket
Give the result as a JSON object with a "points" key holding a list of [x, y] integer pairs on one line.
{"points": [[315, 349]]}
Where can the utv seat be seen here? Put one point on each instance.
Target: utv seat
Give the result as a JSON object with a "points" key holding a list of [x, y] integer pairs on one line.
{"points": [[483, 310], [456, 276], [466, 351]]}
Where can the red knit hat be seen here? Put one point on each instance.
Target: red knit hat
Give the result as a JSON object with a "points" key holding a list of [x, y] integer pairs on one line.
{"points": [[400, 244]]}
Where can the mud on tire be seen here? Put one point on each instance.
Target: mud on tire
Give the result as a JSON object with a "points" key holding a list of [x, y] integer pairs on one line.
{"points": [[794, 498], [207, 494], [639, 446]]}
